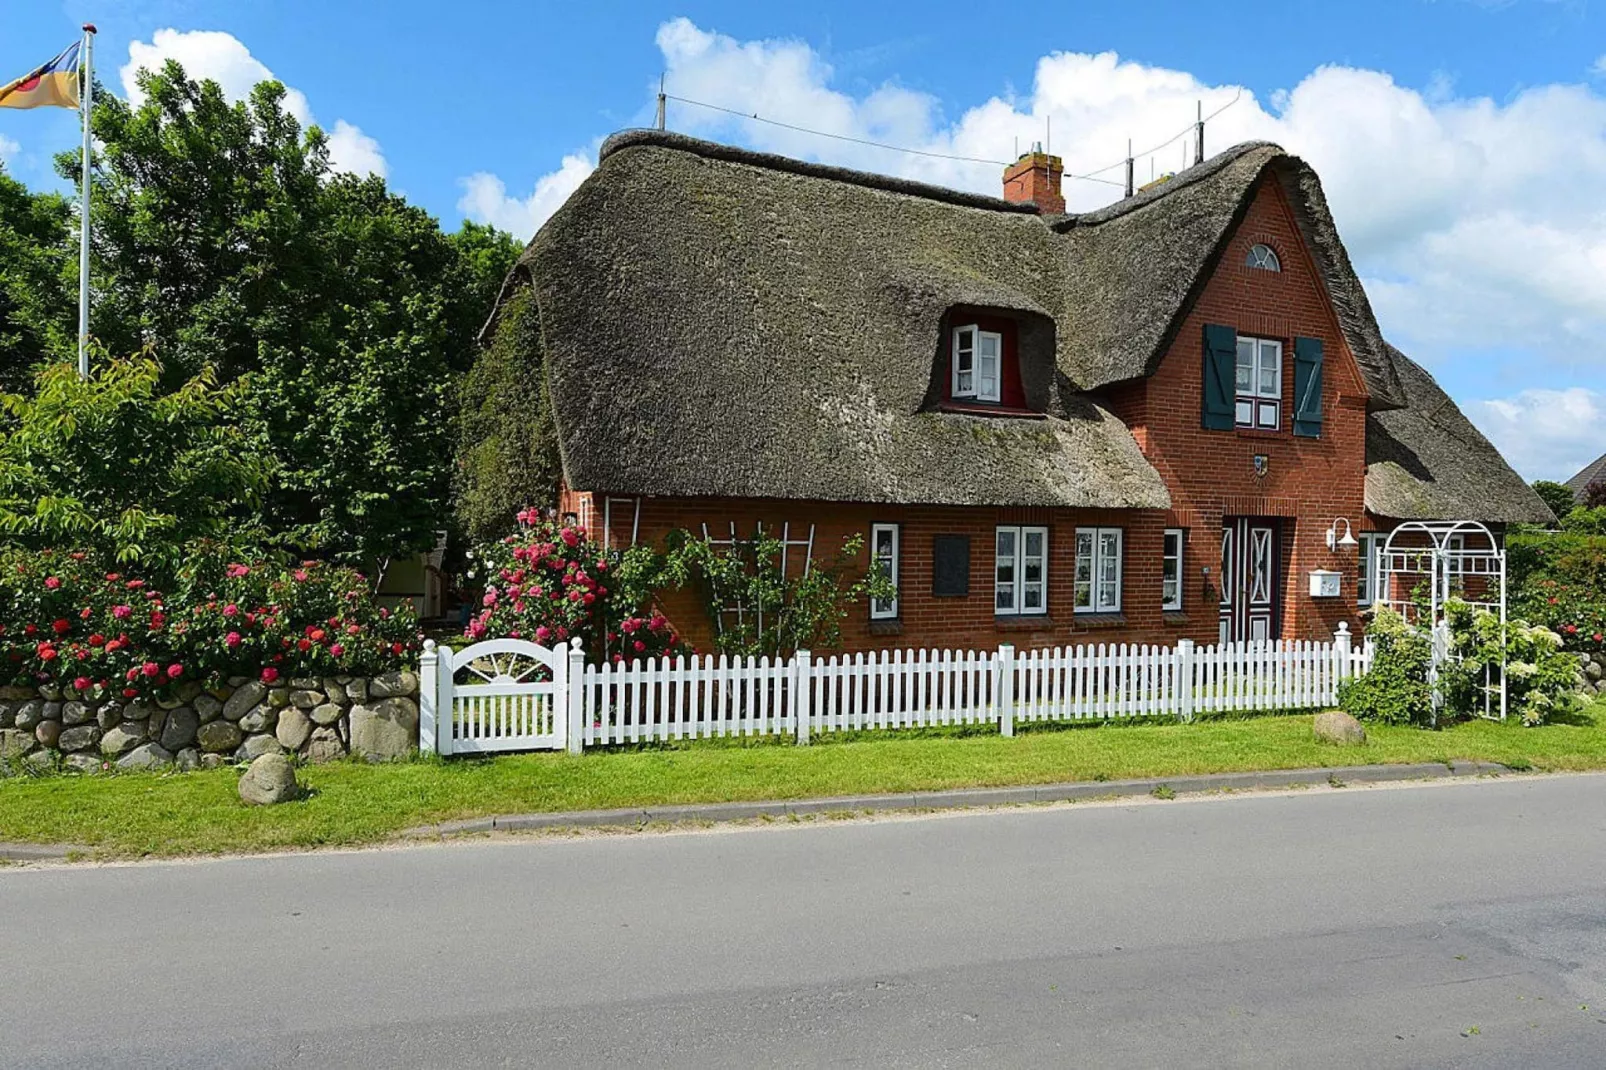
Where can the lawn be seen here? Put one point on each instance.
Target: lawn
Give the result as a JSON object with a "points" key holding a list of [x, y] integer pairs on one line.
{"points": [[132, 815]]}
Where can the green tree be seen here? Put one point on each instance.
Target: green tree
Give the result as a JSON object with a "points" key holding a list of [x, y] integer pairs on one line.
{"points": [[223, 239], [116, 464], [36, 314], [1558, 496]]}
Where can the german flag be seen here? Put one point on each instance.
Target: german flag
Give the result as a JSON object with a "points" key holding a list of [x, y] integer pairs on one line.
{"points": [[55, 85]]}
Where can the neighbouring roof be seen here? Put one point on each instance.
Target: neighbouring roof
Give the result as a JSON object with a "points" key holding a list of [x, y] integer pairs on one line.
{"points": [[1427, 462], [1592, 473]]}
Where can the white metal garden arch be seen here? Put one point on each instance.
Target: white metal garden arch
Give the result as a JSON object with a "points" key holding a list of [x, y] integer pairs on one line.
{"points": [[1459, 559]]}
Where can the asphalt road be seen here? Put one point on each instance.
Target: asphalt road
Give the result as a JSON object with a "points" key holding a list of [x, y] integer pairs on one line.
{"points": [[1456, 925]]}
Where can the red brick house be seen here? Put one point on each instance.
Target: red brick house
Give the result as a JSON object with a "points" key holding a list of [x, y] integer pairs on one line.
{"points": [[1134, 424]]}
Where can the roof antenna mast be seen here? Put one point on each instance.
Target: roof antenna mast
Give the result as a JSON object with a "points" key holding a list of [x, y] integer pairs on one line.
{"points": [[1048, 134], [1129, 167], [1198, 144], [661, 100]]}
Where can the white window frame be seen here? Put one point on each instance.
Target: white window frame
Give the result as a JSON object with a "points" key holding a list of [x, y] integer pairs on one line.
{"points": [[1168, 555], [1366, 574], [1099, 570], [1271, 262], [1263, 404], [1018, 562], [986, 372], [880, 610]]}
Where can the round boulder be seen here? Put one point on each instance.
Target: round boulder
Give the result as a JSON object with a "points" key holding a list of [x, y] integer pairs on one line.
{"points": [[1336, 726], [269, 780]]}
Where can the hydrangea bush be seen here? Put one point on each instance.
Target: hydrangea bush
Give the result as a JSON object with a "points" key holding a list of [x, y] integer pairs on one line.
{"points": [[551, 582], [70, 620]]}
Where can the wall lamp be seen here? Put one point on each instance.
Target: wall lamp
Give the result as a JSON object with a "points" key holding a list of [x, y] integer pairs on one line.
{"points": [[1334, 540]]}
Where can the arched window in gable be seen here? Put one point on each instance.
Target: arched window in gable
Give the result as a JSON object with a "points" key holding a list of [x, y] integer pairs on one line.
{"points": [[1264, 258]]}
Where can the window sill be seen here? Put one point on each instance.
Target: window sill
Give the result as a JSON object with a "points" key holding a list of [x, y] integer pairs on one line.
{"points": [[1261, 432], [893, 626], [1099, 620], [1023, 622], [1174, 616], [982, 408]]}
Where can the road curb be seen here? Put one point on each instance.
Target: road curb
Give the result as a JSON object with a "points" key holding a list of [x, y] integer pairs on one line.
{"points": [[35, 852], [959, 798]]}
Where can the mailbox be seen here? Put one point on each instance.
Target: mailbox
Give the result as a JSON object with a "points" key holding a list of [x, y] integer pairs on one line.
{"points": [[1324, 583]]}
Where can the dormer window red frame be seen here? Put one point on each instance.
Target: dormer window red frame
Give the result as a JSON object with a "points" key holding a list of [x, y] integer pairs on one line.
{"points": [[984, 367]]}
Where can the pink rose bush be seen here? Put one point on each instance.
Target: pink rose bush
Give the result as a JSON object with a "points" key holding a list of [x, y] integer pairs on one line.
{"points": [[550, 583], [71, 620]]}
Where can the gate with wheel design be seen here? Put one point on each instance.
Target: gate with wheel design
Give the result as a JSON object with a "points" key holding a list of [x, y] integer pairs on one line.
{"points": [[499, 695]]}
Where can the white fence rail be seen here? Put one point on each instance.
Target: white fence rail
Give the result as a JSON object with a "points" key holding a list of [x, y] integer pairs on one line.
{"points": [[517, 696]]}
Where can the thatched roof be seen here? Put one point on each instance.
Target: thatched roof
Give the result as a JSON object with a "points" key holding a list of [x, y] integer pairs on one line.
{"points": [[1427, 462], [721, 322], [1592, 473]]}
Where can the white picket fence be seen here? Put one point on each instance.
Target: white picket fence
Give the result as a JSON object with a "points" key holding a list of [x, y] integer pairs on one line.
{"points": [[516, 695]]}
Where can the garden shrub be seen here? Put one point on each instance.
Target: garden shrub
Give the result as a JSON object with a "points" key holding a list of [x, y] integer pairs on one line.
{"points": [[1395, 690], [1539, 675], [75, 621], [549, 583], [1558, 581]]}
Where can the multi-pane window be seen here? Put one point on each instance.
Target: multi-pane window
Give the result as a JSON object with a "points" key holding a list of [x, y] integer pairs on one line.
{"points": [[977, 363], [1367, 589], [1264, 257], [1098, 570], [1171, 570], [884, 559], [1260, 383], [1020, 571]]}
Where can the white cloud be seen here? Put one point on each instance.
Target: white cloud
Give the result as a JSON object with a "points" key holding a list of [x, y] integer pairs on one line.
{"points": [[224, 59], [1599, 67], [485, 198], [8, 149], [1546, 434]]}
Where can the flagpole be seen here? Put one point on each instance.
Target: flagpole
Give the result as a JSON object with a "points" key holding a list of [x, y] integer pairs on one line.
{"points": [[86, 98]]}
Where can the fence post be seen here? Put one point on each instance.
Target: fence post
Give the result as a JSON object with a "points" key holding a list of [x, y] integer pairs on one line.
{"points": [[802, 688], [444, 714], [574, 674], [1004, 688], [1342, 645], [1184, 680], [428, 695]]}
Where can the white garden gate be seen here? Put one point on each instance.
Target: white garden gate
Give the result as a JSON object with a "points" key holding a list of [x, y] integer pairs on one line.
{"points": [[499, 695]]}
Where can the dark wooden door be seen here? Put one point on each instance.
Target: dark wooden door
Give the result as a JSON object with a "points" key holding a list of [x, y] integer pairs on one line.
{"points": [[1250, 552]]}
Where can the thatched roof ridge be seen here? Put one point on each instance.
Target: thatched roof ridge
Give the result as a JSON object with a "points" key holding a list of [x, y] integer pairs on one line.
{"points": [[1427, 462]]}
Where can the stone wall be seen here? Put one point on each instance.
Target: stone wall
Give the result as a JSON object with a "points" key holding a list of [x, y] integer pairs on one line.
{"points": [[1592, 673], [319, 720]]}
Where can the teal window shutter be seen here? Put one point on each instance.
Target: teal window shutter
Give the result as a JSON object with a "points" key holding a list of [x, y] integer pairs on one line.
{"points": [[1308, 387], [1220, 363]]}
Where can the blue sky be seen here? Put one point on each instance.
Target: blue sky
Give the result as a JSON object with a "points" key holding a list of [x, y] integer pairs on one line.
{"points": [[1463, 143]]}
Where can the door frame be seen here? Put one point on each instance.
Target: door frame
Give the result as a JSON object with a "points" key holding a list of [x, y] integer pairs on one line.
{"points": [[1242, 617]]}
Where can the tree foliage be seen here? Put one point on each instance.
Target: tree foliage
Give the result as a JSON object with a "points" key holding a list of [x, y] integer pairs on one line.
{"points": [[339, 313], [36, 311], [1558, 496], [118, 465]]}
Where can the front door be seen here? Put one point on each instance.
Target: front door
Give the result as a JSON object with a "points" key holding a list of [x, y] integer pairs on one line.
{"points": [[1250, 552]]}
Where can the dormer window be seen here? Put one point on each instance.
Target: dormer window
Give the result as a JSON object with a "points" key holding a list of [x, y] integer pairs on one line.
{"points": [[1264, 258], [978, 358]]}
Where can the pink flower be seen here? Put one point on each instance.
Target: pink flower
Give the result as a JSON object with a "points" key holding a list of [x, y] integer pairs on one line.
{"points": [[543, 633], [62, 627], [236, 571], [232, 640], [336, 649], [174, 671], [150, 668], [81, 684], [640, 646], [589, 598], [51, 583], [570, 537], [300, 575], [231, 610], [269, 675], [490, 597], [122, 612]]}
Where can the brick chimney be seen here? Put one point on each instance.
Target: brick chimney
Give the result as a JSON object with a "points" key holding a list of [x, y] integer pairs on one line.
{"points": [[1035, 179]]}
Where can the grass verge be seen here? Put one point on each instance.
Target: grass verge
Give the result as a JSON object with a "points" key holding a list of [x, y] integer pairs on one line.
{"points": [[133, 815]]}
